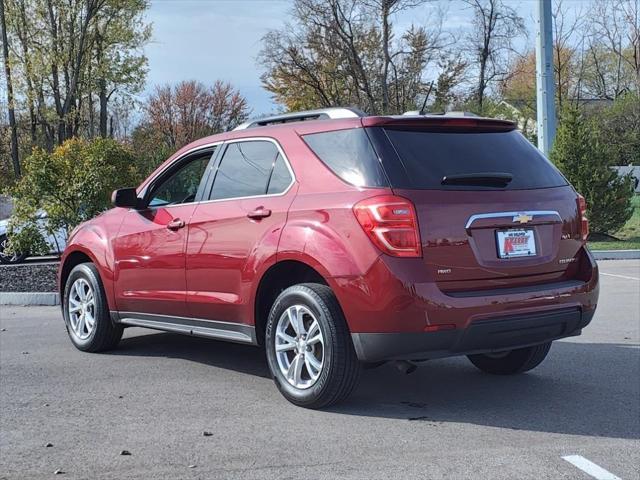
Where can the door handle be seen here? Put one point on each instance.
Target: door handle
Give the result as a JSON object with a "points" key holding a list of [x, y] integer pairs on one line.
{"points": [[259, 213], [175, 224]]}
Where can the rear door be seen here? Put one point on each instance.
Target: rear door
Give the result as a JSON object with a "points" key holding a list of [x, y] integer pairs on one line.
{"points": [[234, 232], [489, 205]]}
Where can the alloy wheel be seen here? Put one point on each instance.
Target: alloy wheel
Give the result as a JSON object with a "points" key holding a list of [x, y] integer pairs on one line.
{"points": [[299, 346], [82, 308]]}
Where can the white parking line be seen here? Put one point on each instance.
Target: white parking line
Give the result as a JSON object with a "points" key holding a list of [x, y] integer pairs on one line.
{"points": [[619, 276], [596, 471]]}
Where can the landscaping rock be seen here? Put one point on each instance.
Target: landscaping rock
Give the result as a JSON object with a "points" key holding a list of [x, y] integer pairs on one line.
{"points": [[28, 278]]}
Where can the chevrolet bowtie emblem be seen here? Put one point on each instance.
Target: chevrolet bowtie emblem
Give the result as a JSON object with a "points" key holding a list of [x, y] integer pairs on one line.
{"points": [[522, 218]]}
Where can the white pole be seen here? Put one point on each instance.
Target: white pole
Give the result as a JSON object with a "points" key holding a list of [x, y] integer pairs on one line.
{"points": [[544, 78]]}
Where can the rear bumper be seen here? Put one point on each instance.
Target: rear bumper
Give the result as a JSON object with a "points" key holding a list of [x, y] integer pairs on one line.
{"points": [[504, 333], [398, 312]]}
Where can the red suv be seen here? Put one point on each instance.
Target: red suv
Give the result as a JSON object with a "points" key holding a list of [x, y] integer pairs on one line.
{"points": [[337, 239]]}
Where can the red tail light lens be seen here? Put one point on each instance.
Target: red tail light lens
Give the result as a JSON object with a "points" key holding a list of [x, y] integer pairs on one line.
{"points": [[391, 224], [584, 221]]}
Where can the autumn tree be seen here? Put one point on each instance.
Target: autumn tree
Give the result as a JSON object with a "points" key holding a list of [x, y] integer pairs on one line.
{"points": [[177, 115]]}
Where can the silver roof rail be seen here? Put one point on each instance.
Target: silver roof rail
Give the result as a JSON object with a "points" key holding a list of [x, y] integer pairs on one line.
{"points": [[446, 114], [320, 114]]}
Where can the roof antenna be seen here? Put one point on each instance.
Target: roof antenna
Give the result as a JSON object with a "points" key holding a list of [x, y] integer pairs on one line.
{"points": [[424, 104]]}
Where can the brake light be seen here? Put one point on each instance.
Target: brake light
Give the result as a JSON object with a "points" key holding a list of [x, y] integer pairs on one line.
{"points": [[391, 224], [584, 221]]}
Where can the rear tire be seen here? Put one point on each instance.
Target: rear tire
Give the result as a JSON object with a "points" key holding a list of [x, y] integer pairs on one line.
{"points": [[514, 361], [86, 312], [328, 366]]}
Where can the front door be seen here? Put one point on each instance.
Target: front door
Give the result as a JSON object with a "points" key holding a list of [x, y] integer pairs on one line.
{"points": [[150, 247]]}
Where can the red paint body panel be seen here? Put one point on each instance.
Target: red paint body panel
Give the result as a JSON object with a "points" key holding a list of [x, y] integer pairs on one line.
{"points": [[227, 253], [150, 261], [211, 269]]}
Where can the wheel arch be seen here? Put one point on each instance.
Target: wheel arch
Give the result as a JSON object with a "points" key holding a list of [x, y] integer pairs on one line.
{"points": [[279, 276]]}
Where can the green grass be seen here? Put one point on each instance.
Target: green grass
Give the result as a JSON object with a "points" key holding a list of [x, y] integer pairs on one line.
{"points": [[629, 235], [613, 245]]}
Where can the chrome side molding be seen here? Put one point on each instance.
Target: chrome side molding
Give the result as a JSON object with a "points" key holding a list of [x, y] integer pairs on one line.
{"points": [[228, 331]]}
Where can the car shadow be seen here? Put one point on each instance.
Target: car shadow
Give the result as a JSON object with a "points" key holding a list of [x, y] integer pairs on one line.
{"points": [[231, 356], [588, 389]]}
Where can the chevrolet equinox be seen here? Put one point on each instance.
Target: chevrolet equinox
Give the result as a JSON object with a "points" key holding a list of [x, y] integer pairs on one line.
{"points": [[337, 240]]}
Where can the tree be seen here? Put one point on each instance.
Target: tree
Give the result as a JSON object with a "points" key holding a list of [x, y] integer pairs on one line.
{"points": [[72, 184], [583, 159], [610, 62], [619, 129], [495, 27], [71, 55], [345, 52], [564, 61], [118, 66], [452, 71], [175, 116], [10, 98]]}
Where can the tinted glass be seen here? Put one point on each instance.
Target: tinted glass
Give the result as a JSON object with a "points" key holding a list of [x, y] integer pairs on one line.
{"points": [[349, 154], [244, 170], [182, 185], [280, 177], [428, 157]]}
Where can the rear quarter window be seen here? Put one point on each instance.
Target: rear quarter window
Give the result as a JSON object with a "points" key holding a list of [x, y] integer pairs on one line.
{"points": [[349, 154], [427, 157]]}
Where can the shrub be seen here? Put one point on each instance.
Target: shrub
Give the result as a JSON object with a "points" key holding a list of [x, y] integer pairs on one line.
{"points": [[586, 162], [72, 184]]}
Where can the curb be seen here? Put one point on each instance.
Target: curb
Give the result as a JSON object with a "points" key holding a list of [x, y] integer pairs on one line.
{"points": [[616, 254], [29, 298]]}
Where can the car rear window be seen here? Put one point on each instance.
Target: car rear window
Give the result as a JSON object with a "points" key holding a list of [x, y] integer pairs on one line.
{"points": [[427, 157], [349, 154]]}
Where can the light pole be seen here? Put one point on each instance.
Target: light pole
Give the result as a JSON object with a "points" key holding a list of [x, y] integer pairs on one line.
{"points": [[545, 84]]}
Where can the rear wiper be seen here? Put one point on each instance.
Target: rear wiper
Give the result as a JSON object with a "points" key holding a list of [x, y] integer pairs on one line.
{"points": [[488, 179]]}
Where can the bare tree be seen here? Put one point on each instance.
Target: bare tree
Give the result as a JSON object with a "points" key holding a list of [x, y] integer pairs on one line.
{"points": [[345, 52], [612, 55], [495, 27], [564, 32]]}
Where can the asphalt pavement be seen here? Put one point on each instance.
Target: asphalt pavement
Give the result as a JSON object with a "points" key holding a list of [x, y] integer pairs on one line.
{"points": [[187, 408]]}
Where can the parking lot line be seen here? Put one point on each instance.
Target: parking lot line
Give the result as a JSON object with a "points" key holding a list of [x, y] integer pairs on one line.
{"points": [[587, 466], [619, 276]]}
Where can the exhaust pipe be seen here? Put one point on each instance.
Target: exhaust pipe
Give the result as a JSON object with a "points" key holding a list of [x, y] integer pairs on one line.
{"points": [[405, 366]]}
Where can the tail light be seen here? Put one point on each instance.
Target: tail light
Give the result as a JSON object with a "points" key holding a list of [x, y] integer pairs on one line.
{"points": [[584, 221], [391, 224]]}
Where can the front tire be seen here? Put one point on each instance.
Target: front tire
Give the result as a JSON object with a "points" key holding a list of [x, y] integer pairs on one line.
{"points": [[86, 312], [511, 362], [309, 348]]}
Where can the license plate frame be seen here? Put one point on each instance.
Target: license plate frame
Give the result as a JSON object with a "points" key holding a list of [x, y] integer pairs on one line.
{"points": [[516, 243]]}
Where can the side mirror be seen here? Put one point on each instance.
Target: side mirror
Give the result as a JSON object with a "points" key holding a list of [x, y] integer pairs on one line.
{"points": [[125, 198]]}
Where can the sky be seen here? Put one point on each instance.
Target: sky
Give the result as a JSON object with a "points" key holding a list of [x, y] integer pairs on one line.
{"points": [[207, 40]]}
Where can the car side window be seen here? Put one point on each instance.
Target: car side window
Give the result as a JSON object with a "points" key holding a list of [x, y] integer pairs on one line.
{"points": [[182, 185], [280, 177], [244, 170]]}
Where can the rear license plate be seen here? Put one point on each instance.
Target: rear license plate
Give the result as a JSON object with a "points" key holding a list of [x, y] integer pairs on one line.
{"points": [[516, 243]]}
